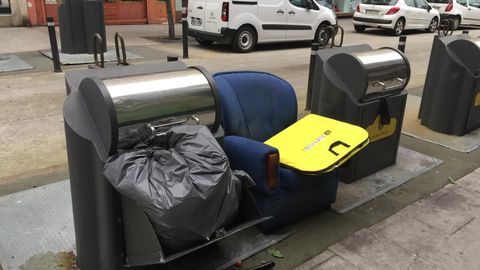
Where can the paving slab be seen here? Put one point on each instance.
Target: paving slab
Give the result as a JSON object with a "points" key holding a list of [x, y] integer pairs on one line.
{"points": [[409, 165], [317, 260], [409, 233], [46, 224], [459, 250], [412, 127], [421, 264], [470, 181], [438, 216], [368, 250], [336, 263], [10, 62], [439, 232], [85, 58]]}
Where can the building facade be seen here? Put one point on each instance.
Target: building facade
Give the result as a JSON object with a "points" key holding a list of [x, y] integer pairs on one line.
{"points": [[35, 12]]}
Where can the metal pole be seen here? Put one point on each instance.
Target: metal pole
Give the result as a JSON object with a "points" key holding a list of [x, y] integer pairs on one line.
{"points": [[184, 30], [402, 41], [53, 45], [313, 54]]}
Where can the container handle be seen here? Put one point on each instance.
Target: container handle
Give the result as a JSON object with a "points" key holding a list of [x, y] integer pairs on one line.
{"points": [[385, 88], [335, 144], [155, 129]]}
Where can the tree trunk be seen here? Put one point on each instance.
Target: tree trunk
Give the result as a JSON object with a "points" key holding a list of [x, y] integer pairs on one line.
{"points": [[171, 23]]}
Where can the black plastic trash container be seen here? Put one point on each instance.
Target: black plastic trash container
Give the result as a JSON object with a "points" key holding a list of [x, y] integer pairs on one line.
{"points": [[79, 21], [111, 230], [451, 95], [364, 87]]}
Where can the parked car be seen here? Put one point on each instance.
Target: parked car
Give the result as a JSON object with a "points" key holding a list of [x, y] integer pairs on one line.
{"points": [[462, 12], [397, 15], [245, 23]]}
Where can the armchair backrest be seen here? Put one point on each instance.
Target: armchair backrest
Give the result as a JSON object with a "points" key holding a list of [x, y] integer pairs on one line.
{"points": [[255, 105]]}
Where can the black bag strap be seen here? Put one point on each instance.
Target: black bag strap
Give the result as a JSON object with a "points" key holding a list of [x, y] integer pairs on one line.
{"points": [[384, 111]]}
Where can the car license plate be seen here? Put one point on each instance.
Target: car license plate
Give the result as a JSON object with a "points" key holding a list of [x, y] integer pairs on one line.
{"points": [[436, 7], [196, 21], [370, 11]]}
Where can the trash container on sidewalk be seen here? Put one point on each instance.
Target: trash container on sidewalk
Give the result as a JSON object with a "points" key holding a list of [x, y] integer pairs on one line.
{"points": [[364, 87], [100, 114], [451, 95]]}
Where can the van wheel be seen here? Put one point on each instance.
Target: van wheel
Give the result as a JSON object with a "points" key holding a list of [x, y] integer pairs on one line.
{"points": [[245, 39], [433, 25], [399, 26], [203, 42], [359, 28], [323, 34]]}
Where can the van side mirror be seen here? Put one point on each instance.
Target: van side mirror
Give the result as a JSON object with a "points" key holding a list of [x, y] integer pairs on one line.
{"points": [[429, 8], [309, 4]]}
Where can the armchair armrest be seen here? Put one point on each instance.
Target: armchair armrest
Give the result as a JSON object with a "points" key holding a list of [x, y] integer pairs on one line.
{"points": [[259, 160]]}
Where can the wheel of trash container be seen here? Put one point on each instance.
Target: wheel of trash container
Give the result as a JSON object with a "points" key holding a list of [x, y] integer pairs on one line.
{"points": [[399, 27], [433, 25], [203, 42], [245, 39], [359, 28]]}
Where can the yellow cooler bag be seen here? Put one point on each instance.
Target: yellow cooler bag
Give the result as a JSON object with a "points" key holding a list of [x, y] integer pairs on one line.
{"points": [[317, 144]]}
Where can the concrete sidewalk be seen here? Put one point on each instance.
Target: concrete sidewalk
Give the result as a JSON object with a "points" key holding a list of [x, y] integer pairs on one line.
{"points": [[439, 232]]}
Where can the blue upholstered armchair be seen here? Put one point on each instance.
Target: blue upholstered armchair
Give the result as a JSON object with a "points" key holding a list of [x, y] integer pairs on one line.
{"points": [[255, 107]]}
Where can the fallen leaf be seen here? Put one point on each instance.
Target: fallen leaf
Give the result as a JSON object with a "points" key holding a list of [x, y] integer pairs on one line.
{"points": [[451, 181], [275, 253]]}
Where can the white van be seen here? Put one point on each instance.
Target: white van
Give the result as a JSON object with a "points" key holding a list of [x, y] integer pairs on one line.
{"points": [[244, 23]]}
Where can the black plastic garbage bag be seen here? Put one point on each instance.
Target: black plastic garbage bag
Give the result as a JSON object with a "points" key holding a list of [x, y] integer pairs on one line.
{"points": [[183, 182]]}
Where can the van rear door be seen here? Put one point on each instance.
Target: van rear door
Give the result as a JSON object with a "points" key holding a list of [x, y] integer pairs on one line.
{"points": [[213, 15], [196, 14]]}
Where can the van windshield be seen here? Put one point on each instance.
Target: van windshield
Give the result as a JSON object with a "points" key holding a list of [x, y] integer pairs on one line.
{"points": [[380, 2]]}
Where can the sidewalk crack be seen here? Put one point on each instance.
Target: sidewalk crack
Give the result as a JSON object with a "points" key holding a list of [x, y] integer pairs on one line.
{"points": [[461, 227]]}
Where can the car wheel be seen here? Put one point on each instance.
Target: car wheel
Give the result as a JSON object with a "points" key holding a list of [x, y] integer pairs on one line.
{"points": [[323, 34], [359, 28], [456, 22], [433, 25], [203, 42], [399, 27], [245, 39]]}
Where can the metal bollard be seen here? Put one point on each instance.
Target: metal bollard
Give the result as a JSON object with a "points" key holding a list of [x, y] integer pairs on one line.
{"points": [[313, 54], [184, 31], [53, 44], [120, 61], [171, 58], [402, 41], [97, 46]]}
